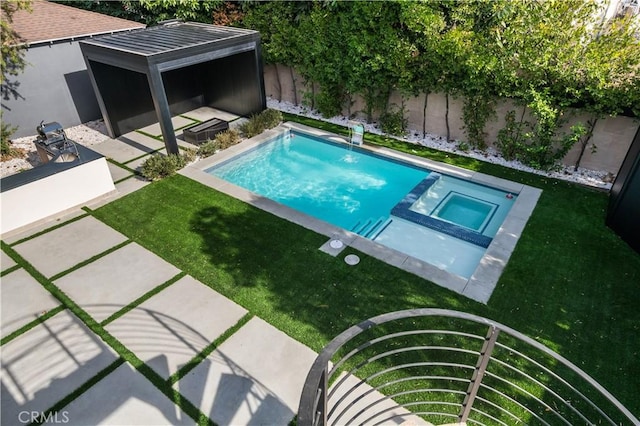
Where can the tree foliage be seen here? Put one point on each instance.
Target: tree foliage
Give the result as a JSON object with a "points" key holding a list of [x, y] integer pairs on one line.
{"points": [[150, 12], [13, 61], [11, 65], [549, 56], [120, 9], [154, 11]]}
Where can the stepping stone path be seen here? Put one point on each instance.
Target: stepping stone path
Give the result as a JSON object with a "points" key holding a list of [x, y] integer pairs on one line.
{"points": [[254, 376]]}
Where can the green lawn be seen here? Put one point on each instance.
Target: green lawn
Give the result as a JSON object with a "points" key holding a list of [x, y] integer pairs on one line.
{"points": [[571, 282]]}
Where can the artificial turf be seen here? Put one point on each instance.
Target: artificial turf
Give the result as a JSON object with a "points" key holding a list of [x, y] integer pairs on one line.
{"points": [[571, 283]]}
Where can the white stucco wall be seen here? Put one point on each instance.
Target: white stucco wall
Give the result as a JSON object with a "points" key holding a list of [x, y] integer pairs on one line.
{"points": [[36, 201]]}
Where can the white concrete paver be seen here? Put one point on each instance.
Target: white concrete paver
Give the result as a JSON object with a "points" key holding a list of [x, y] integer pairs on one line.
{"points": [[6, 262], [143, 141], [170, 328], [177, 122], [130, 185], [183, 143], [106, 285], [48, 362], [137, 164], [123, 188], [117, 172], [207, 113], [238, 122], [124, 397], [12, 238], [23, 299], [62, 248], [255, 377], [127, 147]]}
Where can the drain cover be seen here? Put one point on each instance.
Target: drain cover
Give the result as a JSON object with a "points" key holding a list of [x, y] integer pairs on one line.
{"points": [[352, 259], [336, 244]]}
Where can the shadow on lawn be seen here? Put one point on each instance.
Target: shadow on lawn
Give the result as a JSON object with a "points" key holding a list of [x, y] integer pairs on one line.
{"points": [[569, 284], [274, 267]]}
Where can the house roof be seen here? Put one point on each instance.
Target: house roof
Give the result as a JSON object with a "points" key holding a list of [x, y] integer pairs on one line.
{"points": [[50, 21]]}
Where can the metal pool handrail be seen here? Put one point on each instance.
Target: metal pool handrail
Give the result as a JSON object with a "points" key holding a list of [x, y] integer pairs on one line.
{"points": [[326, 397]]}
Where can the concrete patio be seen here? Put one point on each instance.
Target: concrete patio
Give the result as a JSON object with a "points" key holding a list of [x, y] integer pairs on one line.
{"points": [[104, 274], [148, 308]]}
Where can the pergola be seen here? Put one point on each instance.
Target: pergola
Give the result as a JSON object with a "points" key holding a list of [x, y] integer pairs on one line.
{"points": [[147, 76]]}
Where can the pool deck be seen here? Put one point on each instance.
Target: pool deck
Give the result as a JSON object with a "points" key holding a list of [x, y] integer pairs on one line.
{"points": [[478, 287]]}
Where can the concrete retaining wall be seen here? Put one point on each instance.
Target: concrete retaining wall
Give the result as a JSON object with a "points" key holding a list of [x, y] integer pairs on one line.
{"points": [[36, 201], [612, 136]]}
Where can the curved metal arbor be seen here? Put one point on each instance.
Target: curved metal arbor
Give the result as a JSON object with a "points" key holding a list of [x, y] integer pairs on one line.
{"points": [[434, 366]]}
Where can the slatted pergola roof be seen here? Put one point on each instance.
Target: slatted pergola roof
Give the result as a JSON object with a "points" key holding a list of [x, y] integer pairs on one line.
{"points": [[181, 38]]}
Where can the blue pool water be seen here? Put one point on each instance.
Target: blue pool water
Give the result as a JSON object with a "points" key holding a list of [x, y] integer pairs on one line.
{"points": [[443, 220], [326, 181], [465, 211]]}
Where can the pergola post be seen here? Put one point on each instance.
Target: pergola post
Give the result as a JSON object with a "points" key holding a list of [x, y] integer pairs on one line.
{"points": [[103, 108], [161, 106]]}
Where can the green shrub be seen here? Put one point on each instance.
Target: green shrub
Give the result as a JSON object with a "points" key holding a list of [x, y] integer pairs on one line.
{"points": [[6, 148], [223, 140], [393, 122], [159, 166], [544, 149], [270, 118], [539, 144], [228, 138], [208, 148], [464, 146], [476, 112], [5, 143], [328, 104], [508, 139], [258, 123], [188, 155], [251, 127]]}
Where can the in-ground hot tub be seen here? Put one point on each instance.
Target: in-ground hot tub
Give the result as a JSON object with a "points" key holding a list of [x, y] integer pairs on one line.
{"points": [[465, 211]]}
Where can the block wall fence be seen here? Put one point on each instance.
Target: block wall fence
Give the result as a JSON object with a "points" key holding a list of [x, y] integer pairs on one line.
{"points": [[612, 136]]}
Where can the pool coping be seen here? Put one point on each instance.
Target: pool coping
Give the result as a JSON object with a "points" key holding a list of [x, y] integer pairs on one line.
{"points": [[478, 287]]}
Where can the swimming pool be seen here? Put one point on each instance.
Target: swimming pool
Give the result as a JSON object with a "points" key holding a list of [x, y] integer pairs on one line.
{"points": [[444, 220]]}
